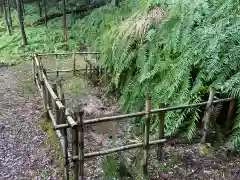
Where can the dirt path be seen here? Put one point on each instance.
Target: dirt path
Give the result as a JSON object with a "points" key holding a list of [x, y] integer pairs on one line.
{"points": [[22, 151]]}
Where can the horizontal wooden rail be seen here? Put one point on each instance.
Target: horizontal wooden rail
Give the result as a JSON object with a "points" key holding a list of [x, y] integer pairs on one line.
{"points": [[119, 117], [62, 119], [65, 70], [142, 113], [117, 149], [47, 54], [70, 120]]}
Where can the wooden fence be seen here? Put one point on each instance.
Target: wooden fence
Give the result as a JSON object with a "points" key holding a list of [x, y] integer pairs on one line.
{"points": [[54, 107]]}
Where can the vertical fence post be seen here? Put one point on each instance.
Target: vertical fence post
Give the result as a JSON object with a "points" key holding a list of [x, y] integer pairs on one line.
{"points": [[37, 74], [90, 71], [42, 85], [74, 64], [98, 72], [161, 116], [34, 69], [86, 70], [207, 115], [94, 73], [75, 146], [146, 137], [81, 142], [54, 87], [230, 114], [46, 95], [61, 92], [65, 148]]}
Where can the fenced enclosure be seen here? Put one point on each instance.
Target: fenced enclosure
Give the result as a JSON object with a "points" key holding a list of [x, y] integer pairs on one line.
{"points": [[64, 119]]}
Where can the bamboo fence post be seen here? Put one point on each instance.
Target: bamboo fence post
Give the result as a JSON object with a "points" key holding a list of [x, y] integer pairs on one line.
{"points": [[42, 85], [146, 137], [101, 71], [207, 115], [86, 69], [90, 71], [93, 73], [161, 116], [74, 64], [47, 95], [62, 97], [98, 72], [49, 98], [34, 69], [230, 114], [81, 142], [75, 147], [54, 87], [37, 74], [65, 149]]}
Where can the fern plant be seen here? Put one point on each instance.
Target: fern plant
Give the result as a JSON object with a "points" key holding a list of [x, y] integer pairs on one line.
{"points": [[179, 50]]}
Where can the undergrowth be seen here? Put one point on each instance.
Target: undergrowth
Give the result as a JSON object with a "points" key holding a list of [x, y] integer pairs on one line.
{"points": [[40, 38], [175, 50]]}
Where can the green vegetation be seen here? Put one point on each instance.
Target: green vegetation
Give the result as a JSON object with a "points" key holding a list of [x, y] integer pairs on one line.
{"points": [[174, 50], [52, 142]]}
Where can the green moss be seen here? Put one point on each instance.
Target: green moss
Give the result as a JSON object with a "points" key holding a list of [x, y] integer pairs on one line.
{"points": [[52, 142]]}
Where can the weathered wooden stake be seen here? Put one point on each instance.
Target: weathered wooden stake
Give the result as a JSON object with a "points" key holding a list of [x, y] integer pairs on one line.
{"points": [[146, 137], [74, 65], [65, 149], [58, 114], [45, 96], [81, 141], [54, 87], [207, 115], [86, 70], [42, 85], [34, 70], [75, 148], [161, 116], [230, 114], [49, 98], [94, 73], [61, 92], [90, 71], [101, 71]]}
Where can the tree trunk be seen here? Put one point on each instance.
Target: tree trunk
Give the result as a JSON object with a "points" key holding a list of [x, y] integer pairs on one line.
{"points": [[57, 5], [115, 2], [22, 7], [20, 19], [64, 22], [1, 6], [45, 12], [6, 18], [40, 8], [9, 13]]}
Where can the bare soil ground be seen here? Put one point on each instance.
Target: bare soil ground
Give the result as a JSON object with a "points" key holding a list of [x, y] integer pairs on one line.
{"points": [[23, 154]]}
